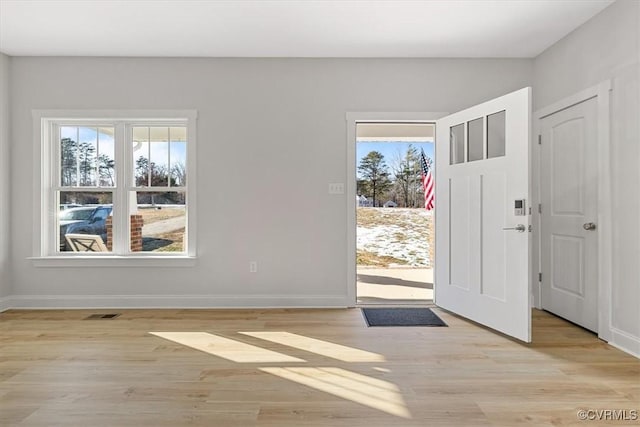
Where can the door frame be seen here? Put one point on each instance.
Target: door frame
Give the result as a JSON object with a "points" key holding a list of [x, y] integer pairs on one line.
{"points": [[604, 217], [353, 118]]}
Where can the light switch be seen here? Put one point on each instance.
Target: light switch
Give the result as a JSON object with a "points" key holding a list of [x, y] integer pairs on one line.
{"points": [[336, 188]]}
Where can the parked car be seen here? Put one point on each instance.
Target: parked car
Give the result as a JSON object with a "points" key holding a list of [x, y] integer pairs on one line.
{"points": [[65, 206], [84, 220]]}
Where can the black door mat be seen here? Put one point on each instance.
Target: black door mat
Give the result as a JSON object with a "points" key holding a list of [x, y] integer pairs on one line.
{"points": [[404, 316]]}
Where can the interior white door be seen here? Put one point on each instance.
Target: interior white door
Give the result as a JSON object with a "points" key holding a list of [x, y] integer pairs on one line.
{"points": [[568, 194], [482, 217]]}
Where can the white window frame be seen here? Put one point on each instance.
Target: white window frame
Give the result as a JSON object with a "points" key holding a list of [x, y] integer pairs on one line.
{"points": [[46, 185]]}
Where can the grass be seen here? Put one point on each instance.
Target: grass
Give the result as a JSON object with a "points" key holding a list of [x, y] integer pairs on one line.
{"points": [[370, 217], [151, 215], [401, 217], [398, 236], [164, 242], [172, 241]]}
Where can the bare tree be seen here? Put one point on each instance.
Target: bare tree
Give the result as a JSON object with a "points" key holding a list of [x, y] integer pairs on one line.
{"points": [[406, 171], [179, 174]]}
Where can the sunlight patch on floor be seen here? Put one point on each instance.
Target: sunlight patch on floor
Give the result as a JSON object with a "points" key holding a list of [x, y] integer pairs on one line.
{"points": [[313, 345], [372, 392], [226, 348]]}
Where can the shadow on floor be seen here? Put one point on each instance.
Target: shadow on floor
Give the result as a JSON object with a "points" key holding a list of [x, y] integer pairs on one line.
{"points": [[153, 243], [385, 280]]}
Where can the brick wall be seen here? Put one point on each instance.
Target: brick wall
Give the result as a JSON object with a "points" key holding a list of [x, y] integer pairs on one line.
{"points": [[136, 233]]}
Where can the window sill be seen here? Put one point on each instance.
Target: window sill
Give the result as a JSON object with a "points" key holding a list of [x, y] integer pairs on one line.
{"points": [[114, 261]]}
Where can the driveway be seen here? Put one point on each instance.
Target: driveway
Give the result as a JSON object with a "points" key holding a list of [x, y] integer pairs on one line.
{"points": [[163, 226]]}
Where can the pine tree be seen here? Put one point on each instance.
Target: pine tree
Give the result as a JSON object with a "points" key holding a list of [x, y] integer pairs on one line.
{"points": [[374, 174]]}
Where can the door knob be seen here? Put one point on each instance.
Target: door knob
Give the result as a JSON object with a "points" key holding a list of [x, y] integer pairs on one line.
{"points": [[520, 228], [589, 226]]}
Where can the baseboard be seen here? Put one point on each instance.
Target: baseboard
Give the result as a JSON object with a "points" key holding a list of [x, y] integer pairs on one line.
{"points": [[175, 301], [625, 342], [5, 304]]}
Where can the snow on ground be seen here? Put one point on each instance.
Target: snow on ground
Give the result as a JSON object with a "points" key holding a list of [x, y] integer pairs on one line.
{"points": [[397, 232]]}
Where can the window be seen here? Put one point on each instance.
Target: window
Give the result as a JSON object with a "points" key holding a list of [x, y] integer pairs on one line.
{"points": [[472, 145], [123, 178]]}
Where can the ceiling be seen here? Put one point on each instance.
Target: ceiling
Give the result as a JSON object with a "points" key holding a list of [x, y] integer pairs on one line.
{"points": [[291, 28]]}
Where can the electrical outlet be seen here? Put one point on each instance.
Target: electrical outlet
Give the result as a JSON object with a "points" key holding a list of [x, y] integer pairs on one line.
{"points": [[336, 188], [253, 266]]}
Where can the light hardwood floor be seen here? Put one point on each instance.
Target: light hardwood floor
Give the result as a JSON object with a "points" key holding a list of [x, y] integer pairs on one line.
{"points": [[300, 368]]}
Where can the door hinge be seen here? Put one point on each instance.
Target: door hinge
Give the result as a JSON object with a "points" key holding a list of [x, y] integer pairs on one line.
{"points": [[539, 139], [539, 207], [540, 277]]}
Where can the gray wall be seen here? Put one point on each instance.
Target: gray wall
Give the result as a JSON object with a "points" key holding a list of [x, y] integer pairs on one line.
{"points": [[271, 136], [5, 279], [608, 47]]}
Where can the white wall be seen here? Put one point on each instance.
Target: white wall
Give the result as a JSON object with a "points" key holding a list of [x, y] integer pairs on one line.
{"points": [[271, 136], [5, 278], [608, 47]]}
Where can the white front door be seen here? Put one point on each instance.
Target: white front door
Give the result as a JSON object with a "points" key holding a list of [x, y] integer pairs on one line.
{"points": [[482, 214], [568, 195]]}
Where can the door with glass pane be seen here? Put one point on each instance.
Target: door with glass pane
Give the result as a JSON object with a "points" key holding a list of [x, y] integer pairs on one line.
{"points": [[482, 217]]}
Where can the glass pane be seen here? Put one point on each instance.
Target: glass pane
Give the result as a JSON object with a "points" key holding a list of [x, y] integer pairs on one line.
{"points": [[178, 163], [85, 213], [159, 156], [178, 156], [496, 132], [159, 223], [106, 157], [87, 157], [68, 156], [456, 142], [83, 159], [140, 149], [475, 135]]}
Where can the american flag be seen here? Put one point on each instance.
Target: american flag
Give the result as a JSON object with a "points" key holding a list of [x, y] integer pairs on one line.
{"points": [[427, 181]]}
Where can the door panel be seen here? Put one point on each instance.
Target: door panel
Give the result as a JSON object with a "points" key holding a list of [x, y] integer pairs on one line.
{"points": [[459, 232], [482, 270], [568, 194], [493, 190], [567, 160], [567, 253]]}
